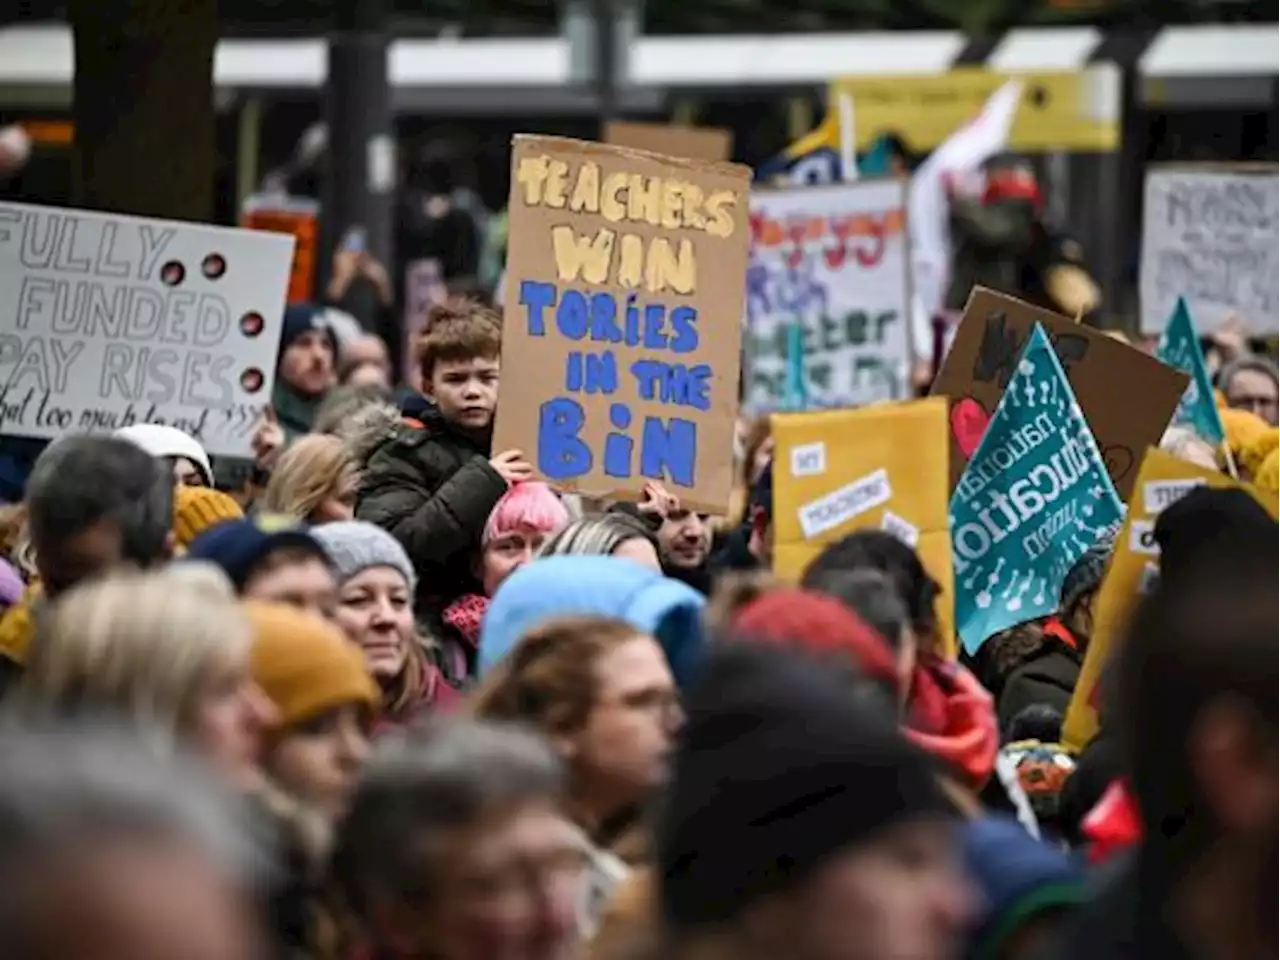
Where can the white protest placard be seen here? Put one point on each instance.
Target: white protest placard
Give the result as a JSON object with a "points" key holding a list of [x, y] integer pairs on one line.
{"points": [[835, 260], [1210, 235], [109, 320]]}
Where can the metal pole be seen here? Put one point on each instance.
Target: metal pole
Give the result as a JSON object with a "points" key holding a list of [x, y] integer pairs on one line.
{"points": [[604, 14], [248, 149], [360, 158]]}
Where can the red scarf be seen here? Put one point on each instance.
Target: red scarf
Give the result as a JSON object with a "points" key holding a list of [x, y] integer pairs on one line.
{"points": [[465, 615], [951, 717]]}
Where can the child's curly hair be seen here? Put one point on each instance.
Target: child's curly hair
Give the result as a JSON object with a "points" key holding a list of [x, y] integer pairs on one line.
{"points": [[458, 329]]}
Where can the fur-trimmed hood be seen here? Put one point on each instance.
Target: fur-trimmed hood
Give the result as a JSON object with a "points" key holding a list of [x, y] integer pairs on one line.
{"points": [[365, 432]]}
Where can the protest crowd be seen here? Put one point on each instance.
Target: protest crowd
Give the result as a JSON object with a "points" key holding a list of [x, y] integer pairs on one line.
{"points": [[494, 662]]}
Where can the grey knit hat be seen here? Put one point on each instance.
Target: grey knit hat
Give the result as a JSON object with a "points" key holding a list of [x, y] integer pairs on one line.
{"points": [[354, 546]]}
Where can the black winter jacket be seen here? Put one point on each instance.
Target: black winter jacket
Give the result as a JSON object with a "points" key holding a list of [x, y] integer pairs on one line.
{"points": [[431, 487]]}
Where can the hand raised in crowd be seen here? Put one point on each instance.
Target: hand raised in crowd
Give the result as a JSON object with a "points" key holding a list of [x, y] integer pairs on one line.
{"points": [[267, 440], [373, 271], [1230, 338], [658, 501], [347, 266], [512, 467]]}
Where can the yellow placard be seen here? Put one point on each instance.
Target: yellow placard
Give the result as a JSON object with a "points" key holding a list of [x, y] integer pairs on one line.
{"points": [[1162, 479], [1060, 110], [883, 467]]}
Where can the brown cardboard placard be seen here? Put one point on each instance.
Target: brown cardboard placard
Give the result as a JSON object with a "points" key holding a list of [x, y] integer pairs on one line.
{"points": [[1127, 396], [672, 140], [622, 319]]}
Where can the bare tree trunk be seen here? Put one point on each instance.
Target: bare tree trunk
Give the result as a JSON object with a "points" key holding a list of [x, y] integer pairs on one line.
{"points": [[144, 116]]}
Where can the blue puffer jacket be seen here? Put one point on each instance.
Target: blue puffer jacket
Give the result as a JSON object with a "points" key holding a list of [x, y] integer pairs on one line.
{"points": [[603, 586]]}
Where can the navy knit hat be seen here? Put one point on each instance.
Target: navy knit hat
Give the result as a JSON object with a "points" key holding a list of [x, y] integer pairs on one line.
{"points": [[1020, 877], [302, 318], [781, 767], [240, 546]]}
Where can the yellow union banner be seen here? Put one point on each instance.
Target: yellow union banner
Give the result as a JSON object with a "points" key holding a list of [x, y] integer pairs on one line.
{"points": [[881, 467], [1162, 480], [1061, 110]]}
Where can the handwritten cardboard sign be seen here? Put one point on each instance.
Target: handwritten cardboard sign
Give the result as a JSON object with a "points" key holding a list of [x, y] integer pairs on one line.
{"points": [[1162, 480], [1210, 235], [884, 467], [834, 260], [621, 326], [1127, 396], [672, 140], [110, 320]]}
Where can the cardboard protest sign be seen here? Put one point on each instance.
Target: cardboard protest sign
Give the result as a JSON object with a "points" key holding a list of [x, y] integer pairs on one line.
{"points": [[1180, 348], [1209, 234], [1127, 396], [111, 320], [671, 140], [299, 217], [1162, 480], [1033, 499], [836, 471], [621, 330], [834, 262]]}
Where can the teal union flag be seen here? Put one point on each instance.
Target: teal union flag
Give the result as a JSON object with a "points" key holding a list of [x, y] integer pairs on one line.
{"points": [[1180, 348], [1034, 497]]}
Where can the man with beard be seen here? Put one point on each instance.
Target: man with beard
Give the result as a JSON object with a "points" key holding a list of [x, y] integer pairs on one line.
{"points": [[1194, 716], [683, 537], [308, 355]]}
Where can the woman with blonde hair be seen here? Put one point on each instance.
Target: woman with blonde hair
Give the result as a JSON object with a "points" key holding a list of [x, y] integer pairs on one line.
{"points": [[315, 481], [169, 650], [602, 693]]}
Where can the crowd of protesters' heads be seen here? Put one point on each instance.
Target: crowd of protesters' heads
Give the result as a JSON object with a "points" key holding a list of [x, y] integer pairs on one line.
{"points": [[387, 696]]}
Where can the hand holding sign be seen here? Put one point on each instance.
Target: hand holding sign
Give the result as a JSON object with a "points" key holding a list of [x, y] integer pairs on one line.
{"points": [[267, 440], [512, 467]]}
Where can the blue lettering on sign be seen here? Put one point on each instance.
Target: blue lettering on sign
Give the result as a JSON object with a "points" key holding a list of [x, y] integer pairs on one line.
{"points": [[668, 448], [562, 454], [618, 446], [591, 372]]}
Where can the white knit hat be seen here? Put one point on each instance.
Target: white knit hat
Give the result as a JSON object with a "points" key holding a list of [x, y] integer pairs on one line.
{"points": [[161, 441]]}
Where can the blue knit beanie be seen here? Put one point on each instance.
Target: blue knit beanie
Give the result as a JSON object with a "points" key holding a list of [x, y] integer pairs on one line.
{"points": [[1020, 877], [302, 318]]}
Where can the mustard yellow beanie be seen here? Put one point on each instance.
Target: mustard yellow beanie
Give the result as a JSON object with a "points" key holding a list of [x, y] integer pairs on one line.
{"points": [[1255, 453], [306, 666], [17, 626], [196, 509], [1267, 477]]}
